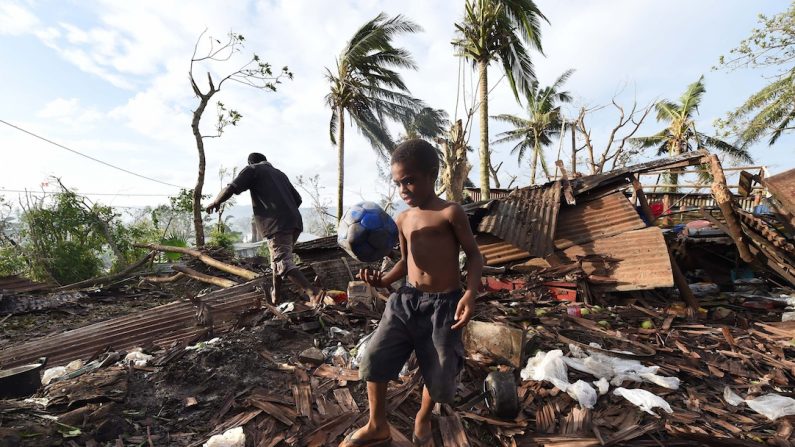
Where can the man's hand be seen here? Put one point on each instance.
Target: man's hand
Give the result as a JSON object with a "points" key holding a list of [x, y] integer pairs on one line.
{"points": [[372, 277], [464, 310], [213, 206]]}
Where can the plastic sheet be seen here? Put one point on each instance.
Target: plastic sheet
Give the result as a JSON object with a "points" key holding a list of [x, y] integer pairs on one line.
{"points": [[548, 366], [582, 393], [772, 406], [234, 437], [643, 399], [731, 397]]}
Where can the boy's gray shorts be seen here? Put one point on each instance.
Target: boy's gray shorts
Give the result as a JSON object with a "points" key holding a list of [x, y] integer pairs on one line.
{"points": [[419, 321]]}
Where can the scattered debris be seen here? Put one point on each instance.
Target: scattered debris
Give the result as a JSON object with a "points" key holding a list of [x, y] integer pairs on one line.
{"points": [[586, 293]]}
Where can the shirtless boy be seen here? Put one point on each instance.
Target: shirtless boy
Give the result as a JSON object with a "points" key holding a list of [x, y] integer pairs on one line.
{"points": [[428, 314]]}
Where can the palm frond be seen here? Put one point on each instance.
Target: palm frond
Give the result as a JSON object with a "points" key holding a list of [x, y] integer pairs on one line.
{"points": [[716, 143], [691, 98]]}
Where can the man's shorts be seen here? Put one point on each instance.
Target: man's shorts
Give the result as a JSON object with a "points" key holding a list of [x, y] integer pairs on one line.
{"points": [[418, 321], [281, 251]]}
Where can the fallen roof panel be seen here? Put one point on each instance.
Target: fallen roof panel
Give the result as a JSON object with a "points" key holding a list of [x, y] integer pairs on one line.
{"points": [[599, 218], [590, 182], [18, 284], [159, 326], [527, 218], [782, 186], [641, 260]]}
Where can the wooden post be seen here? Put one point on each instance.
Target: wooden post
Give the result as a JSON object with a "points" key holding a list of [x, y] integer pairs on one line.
{"points": [[573, 150], [666, 218], [644, 204], [725, 201]]}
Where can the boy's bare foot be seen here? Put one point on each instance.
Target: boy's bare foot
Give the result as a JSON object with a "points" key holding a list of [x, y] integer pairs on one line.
{"points": [[423, 433], [369, 436]]}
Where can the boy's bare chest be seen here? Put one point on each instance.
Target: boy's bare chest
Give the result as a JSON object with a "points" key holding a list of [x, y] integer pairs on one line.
{"points": [[424, 226]]}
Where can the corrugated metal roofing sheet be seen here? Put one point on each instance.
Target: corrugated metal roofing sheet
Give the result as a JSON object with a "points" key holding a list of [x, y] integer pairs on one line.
{"points": [[496, 251], [323, 243], [782, 186], [526, 218], [18, 284], [599, 218], [495, 193], [160, 326], [641, 260]]}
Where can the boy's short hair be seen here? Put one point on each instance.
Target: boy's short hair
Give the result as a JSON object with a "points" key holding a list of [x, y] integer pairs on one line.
{"points": [[419, 154], [256, 157]]}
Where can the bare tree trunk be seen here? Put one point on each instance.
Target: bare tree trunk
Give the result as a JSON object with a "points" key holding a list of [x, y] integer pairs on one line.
{"points": [[198, 224], [340, 161], [485, 155], [725, 201], [573, 150], [456, 166], [534, 163]]}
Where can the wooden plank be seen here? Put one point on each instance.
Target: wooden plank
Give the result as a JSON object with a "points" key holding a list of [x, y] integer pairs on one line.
{"points": [[452, 431], [336, 373], [344, 398], [284, 414], [302, 394]]}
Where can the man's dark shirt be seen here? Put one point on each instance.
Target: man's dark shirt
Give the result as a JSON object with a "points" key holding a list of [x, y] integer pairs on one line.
{"points": [[273, 197]]}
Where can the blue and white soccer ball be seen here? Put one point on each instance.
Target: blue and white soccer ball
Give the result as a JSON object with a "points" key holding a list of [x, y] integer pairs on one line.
{"points": [[366, 232]]}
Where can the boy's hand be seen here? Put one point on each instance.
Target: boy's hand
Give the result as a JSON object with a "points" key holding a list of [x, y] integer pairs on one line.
{"points": [[464, 310], [372, 277]]}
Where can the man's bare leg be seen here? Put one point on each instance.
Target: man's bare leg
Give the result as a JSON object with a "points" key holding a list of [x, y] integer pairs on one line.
{"points": [[377, 427], [422, 422]]}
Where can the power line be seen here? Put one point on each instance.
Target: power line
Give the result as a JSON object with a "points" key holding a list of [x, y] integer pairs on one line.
{"points": [[86, 193], [87, 156]]}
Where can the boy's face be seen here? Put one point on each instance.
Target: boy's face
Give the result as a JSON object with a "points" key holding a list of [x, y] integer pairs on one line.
{"points": [[415, 186]]}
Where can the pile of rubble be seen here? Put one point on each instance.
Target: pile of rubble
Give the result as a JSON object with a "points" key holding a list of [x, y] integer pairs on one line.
{"points": [[594, 327]]}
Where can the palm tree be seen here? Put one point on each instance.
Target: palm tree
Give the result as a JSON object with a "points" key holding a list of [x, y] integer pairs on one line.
{"points": [[428, 123], [544, 122], [681, 135], [498, 30], [770, 111], [366, 85]]}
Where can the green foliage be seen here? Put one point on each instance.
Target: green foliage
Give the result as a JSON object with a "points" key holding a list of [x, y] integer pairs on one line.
{"points": [[681, 135], [502, 30], [223, 238], [64, 238], [429, 124], [544, 122], [12, 260], [173, 241], [367, 86], [771, 110]]}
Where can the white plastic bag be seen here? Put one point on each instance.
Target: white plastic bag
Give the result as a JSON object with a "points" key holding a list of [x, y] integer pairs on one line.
{"points": [[643, 399], [51, 374], [361, 347], [234, 437], [547, 366], [772, 406], [137, 358], [602, 385], [731, 397], [583, 393]]}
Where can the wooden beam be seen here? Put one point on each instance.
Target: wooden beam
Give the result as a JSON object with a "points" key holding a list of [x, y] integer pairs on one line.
{"points": [[209, 260], [725, 201]]}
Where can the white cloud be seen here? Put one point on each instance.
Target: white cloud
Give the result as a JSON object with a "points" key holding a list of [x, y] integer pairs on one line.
{"points": [[15, 19], [144, 47]]}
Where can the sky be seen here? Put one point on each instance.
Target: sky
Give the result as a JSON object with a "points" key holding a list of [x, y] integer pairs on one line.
{"points": [[110, 79]]}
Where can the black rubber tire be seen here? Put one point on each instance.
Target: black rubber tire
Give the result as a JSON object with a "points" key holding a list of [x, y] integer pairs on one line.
{"points": [[502, 396]]}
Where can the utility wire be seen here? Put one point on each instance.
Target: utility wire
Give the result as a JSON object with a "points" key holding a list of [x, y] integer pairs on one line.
{"points": [[87, 156], [85, 193]]}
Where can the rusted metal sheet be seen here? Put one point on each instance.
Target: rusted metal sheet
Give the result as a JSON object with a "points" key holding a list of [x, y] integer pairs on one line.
{"points": [[594, 181], [18, 284], [782, 186], [638, 260], [159, 326], [495, 193], [526, 218], [496, 251], [599, 218]]}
